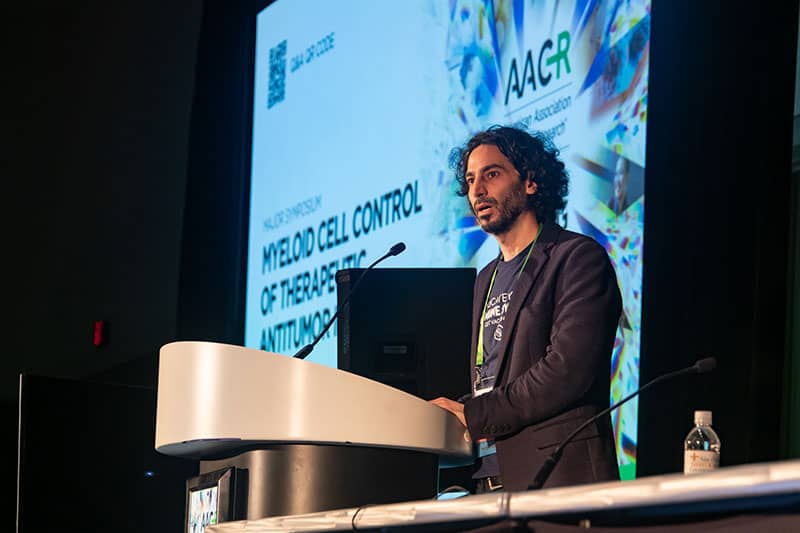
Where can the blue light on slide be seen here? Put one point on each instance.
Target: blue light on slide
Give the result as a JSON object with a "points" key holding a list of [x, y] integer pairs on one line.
{"points": [[356, 107]]}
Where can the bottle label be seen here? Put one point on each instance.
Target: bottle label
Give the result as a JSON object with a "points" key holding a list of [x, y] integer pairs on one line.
{"points": [[695, 461]]}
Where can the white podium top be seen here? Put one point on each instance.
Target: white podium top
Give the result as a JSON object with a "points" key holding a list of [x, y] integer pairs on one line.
{"points": [[215, 398]]}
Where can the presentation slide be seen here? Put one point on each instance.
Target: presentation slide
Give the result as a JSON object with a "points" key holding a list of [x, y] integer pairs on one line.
{"points": [[357, 106]]}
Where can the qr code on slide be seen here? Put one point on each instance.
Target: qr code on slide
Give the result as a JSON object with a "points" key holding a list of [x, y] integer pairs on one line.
{"points": [[277, 74]]}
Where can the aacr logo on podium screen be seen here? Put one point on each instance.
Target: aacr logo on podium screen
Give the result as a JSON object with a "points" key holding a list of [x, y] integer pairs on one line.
{"points": [[542, 70]]}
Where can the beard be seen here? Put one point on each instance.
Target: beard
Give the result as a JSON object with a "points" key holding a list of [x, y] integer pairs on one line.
{"points": [[509, 208]]}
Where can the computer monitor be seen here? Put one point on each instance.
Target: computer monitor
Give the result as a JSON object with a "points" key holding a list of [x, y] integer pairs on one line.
{"points": [[87, 459], [408, 328]]}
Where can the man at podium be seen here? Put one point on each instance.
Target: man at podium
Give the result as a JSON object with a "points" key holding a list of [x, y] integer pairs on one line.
{"points": [[545, 312]]}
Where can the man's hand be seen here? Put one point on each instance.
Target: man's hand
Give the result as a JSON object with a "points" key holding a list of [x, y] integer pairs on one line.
{"points": [[452, 406]]}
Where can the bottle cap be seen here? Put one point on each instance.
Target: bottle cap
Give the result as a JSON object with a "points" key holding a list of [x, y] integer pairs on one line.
{"points": [[702, 418]]}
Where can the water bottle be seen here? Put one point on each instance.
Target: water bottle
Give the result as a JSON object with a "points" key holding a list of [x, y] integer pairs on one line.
{"points": [[701, 447]]}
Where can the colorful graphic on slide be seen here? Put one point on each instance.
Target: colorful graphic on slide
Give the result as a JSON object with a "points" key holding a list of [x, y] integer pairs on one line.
{"points": [[357, 106]]}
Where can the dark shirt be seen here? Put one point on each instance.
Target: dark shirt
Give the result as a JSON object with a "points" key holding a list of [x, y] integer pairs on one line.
{"points": [[493, 319]]}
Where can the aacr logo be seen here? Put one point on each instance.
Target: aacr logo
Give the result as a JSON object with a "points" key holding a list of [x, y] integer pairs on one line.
{"points": [[544, 73]]}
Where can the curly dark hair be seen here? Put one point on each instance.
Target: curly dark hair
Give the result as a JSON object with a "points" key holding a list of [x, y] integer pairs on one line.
{"points": [[528, 152]]}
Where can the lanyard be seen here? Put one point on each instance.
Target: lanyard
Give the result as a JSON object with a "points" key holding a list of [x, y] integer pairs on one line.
{"points": [[479, 355]]}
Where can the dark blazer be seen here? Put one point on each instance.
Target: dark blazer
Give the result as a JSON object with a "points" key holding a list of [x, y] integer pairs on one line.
{"points": [[555, 366]]}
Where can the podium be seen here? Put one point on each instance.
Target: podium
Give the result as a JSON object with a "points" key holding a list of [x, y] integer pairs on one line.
{"points": [[306, 437]]}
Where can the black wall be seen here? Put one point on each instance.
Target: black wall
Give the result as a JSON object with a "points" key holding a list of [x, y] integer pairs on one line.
{"points": [[717, 224], [88, 462], [99, 96]]}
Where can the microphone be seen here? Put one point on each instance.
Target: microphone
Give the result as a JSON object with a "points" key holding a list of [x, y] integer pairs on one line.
{"points": [[397, 249], [705, 365], [700, 367]]}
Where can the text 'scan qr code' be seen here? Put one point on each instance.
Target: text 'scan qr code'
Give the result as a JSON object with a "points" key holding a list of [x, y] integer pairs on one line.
{"points": [[277, 74]]}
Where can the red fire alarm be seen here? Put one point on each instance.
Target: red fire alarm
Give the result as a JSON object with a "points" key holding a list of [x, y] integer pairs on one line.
{"points": [[99, 333]]}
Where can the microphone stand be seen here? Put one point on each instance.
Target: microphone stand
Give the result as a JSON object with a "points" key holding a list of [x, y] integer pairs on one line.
{"points": [[701, 366], [306, 350]]}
